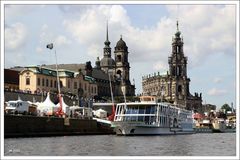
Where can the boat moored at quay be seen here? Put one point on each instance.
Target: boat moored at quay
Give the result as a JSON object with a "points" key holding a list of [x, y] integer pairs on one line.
{"points": [[148, 117]]}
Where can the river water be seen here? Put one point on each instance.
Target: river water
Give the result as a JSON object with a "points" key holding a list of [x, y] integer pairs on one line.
{"points": [[204, 144]]}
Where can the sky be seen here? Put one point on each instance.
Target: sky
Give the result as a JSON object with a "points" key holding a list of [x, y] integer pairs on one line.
{"points": [[79, 31]]}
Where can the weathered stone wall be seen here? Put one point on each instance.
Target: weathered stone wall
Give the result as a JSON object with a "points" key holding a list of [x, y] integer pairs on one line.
{"points": [[15, 126]]}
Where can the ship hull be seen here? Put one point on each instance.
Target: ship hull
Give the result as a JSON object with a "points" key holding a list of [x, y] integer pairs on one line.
{"points": [[136, 129]]}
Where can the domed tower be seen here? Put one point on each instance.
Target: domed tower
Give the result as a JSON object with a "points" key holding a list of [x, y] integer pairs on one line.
{"points": [[121, 59], [107, 63], [122, 69], [178, 68]]}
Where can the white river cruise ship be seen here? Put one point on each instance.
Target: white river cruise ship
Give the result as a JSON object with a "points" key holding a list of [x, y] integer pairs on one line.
{"points": [[148, 117]]}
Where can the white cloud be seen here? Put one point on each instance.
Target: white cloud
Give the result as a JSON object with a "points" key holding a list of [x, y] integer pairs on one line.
{"points": [[144, 44], [62, 40], [15, 36], [46, 36], [13, 11], [216, 92], [208, 30], [39, 50], [204, 30], [217, 80], [160, 66]]}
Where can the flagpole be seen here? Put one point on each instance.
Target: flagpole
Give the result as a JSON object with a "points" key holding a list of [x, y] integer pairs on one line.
{"points": [[59, 112], [58, 81]]}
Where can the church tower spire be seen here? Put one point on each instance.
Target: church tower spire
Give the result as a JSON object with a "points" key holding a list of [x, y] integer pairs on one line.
{"points": [[177, 62], [107, 63], [107, 48]]}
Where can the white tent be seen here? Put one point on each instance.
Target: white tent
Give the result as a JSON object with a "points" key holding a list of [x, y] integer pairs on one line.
{"points": [[64, 106], [47, 107], [100, 113]]}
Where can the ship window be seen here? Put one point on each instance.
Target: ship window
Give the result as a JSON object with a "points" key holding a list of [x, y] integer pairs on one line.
{"points": [[146, 119], [141, 110], [148, 109], [152, 110]]}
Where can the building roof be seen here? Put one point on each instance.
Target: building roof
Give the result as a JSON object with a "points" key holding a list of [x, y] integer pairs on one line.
{"points": [[96, 73], [107, 62], [121, 44], [11, 76], [50, 71]]}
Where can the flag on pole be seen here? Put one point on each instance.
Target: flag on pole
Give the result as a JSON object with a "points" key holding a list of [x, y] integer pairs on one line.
{"points": [[50, 46]]}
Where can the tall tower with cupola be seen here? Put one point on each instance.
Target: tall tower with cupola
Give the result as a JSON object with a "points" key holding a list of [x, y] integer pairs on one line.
{"points": [[178, 69], [107, 64], [122, 67]]}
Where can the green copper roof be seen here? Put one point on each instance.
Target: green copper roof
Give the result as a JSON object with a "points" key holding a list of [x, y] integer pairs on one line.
{"points": [[90, 79]]}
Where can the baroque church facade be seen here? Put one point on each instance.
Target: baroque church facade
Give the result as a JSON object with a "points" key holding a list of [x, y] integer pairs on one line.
{"points": [[174, 85]]}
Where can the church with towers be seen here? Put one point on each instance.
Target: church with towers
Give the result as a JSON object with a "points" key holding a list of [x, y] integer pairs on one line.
{"points": [[116, 69], [173, 86]]}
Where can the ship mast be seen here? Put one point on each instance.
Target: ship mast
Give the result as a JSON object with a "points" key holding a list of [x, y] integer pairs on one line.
{"points": [[111, 117]]}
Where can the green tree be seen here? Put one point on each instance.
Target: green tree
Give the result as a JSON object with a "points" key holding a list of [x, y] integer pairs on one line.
{"points": [[226, 107]]}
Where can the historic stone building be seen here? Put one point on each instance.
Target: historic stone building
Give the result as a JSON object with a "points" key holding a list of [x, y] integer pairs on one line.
{"points": [[173, 86], [38, 79], [118, 69], [107, 68], [11, 79]]}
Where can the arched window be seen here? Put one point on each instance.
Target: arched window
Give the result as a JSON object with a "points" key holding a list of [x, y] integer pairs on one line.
{"points": [[119, 58], [179, 88], [119, 74], [179, 70], [27, 81]]}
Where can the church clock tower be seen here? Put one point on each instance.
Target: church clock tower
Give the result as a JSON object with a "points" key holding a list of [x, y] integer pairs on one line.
{"points": [[122, 68], [178, 70]]}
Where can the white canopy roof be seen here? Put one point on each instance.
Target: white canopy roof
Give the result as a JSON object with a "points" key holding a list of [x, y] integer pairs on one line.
{"points": [[47, 105]]}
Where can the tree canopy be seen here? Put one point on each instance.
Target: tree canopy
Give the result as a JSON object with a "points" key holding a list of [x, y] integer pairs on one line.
{"points": [[226, 107]]}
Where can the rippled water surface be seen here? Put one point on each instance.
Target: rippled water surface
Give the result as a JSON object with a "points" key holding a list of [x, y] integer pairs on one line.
{"points": [[217, 144]]}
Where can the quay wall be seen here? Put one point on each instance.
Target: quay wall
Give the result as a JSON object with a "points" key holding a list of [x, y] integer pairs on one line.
{"points": [[28, 126]]}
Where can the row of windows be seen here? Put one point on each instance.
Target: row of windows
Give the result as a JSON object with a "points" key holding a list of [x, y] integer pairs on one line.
{"points": [[50, 83]]}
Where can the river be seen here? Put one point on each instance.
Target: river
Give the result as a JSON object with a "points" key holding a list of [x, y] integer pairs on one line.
{"points": [[204, 144]]}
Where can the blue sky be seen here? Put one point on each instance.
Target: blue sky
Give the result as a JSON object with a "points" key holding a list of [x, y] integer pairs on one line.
{"points": [[78, 33]]}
